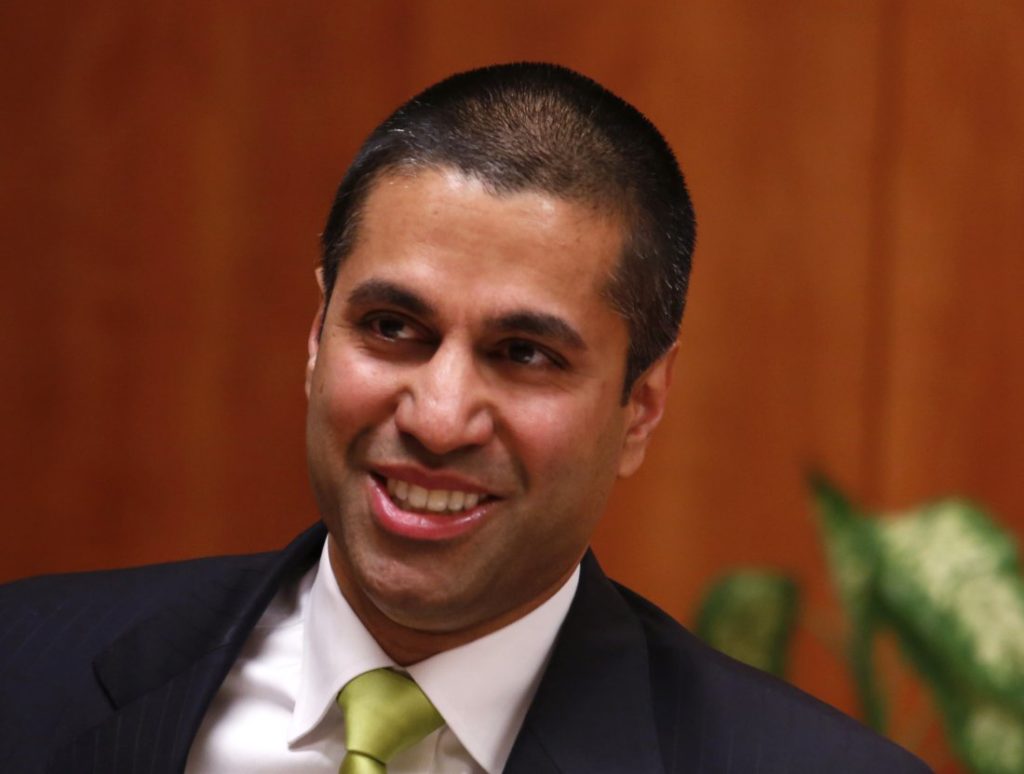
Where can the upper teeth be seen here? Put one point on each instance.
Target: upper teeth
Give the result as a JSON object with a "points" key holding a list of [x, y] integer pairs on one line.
{"points": [[431, 499]]}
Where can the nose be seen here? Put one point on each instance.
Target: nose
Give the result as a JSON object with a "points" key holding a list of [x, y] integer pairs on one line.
{"points": [[444, 403]]}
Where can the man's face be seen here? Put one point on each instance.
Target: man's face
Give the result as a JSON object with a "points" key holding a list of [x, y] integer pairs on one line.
{"points": [[465, 422]]}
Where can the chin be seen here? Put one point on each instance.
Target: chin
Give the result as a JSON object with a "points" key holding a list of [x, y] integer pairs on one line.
{"points": [[424, 612], [414, 597]]}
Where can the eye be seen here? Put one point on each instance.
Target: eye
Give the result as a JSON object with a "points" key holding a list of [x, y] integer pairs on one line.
{"points": [[392, 327], [526, 353], [522, 352], [389, 327]]}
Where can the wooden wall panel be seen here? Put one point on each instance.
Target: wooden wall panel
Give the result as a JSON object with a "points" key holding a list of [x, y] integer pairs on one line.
{"points": [[778, 141], [954, 374]]}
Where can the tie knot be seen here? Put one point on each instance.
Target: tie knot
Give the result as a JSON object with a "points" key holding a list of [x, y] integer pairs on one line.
{"points": [[385, 713]]}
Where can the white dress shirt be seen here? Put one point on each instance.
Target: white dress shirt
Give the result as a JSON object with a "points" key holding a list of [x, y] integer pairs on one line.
{"points": [[276, 711]]}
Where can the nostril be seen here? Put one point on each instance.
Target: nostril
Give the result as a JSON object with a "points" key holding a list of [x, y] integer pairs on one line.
{"points": [[440, 430]]}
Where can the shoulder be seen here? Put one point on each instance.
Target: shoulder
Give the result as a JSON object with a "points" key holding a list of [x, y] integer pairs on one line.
{"points": [[110, 597], [61, 622], [76, 649], [65, 619], [55, 627], [730, 717]]}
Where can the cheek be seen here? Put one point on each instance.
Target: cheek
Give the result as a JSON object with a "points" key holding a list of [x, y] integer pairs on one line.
{"points": [[544, 431], [352, 392], [566, 442]]}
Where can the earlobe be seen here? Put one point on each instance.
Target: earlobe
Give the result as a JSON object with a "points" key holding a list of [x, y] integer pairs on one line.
{"points": [[313, 343], [646, 407]]}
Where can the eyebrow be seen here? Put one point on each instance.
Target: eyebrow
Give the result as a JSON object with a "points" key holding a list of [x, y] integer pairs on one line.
{"points": [[546, 326], [377, 291], [528, 321]]}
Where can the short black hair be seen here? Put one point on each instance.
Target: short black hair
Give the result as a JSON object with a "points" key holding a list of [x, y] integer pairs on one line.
{"points": [[542, 127]]}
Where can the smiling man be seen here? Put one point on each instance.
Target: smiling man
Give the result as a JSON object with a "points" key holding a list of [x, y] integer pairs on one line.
{"points": [[465, 412], [503, 278]]}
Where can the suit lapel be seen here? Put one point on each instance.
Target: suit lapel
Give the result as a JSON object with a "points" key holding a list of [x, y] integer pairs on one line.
{"points": [[593, 709], [592, 712], [161, 675]]}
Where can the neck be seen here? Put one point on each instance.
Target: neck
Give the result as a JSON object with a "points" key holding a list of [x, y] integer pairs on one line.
{"points": [[409, 645]]}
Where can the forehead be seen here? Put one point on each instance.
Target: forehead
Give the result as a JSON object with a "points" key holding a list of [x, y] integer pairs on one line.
{"points": [[440, 222]]}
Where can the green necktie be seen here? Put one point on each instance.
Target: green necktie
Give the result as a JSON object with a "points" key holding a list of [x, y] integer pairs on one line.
{"points": [[385, 713]]}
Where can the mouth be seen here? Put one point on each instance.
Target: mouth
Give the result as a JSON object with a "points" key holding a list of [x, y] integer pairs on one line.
{"points": [[412, 497], [414, 511]]}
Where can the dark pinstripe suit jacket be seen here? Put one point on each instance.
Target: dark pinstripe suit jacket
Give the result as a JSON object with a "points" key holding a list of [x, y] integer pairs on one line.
{"points": [[112, 672]]}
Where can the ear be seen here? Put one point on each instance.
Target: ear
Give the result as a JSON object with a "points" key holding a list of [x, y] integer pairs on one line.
{"points": [[644, 410], [313, 344]]}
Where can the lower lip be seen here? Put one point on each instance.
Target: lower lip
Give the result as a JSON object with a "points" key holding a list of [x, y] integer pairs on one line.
{"points": [[421, 526]]}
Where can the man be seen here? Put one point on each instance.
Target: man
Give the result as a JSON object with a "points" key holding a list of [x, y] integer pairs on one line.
{"points": [[503, 278]]}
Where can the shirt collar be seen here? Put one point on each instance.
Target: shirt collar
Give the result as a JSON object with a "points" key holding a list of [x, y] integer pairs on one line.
{"points": [[482, 689]]}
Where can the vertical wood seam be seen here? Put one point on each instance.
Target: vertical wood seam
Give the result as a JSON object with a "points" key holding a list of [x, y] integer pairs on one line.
{"points": [[876, 383]]}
